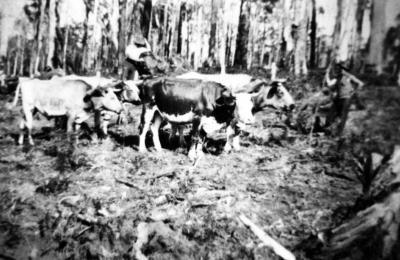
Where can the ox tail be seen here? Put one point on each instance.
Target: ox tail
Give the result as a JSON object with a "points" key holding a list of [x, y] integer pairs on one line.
{"points": [[15, 101]]}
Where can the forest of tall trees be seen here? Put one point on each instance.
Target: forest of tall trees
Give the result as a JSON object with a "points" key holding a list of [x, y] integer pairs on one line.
{"points": [[84, 36]]}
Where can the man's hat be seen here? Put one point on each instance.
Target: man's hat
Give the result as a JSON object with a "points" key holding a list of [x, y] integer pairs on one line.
{"points": [[138, 39]]}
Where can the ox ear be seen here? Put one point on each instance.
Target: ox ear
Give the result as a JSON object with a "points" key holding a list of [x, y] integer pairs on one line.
{"points": [[118, 86], [97, 92], [274, 89], [226, 99]]}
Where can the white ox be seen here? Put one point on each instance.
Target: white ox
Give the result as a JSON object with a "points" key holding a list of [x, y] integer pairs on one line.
{"points": [[127, 91], [234, 82], [58, 97]]}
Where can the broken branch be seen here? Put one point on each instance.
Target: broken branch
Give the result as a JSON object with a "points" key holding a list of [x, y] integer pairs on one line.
{"points": [[267, 240]]}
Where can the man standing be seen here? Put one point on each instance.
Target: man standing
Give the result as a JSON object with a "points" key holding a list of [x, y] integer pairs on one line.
{"points": [[135, 62], [141, 62], [342, 85]]}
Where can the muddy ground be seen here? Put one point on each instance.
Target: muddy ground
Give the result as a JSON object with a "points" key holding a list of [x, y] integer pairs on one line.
{"points": [[104, 200]]}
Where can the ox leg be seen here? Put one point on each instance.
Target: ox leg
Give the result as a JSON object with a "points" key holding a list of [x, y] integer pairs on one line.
{"points": [[182, 142], [70, 127], [28, 124], [236, 143], [147, 116], [173, 132], [155, 126], [105, 121], [105, 127], [21, 131], [232, 138], [196, 148]]}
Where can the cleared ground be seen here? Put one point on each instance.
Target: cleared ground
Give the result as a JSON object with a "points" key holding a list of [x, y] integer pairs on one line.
{"points": [[105, 200]]}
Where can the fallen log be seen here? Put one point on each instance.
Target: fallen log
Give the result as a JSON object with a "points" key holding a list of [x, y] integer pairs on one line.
{"points": [[374, 232], [267, 240]]}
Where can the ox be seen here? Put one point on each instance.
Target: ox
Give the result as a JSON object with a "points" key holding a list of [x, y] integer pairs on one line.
{"points": [[72, 98], [234, 82], [126, 91], [183, 102], [261, 95]]}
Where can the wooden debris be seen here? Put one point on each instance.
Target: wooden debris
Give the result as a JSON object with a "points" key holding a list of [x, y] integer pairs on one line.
{"points": [[267, 240], [86, 219], [207, 197], [128, 183], [142, 238], [377, 225]]}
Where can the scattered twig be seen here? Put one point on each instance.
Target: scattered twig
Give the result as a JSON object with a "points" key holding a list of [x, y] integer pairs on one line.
{"points": [[87, 219], [82, 232], [339, 176], [271, 168], [267, 240], [164, 174], [128, 183]]}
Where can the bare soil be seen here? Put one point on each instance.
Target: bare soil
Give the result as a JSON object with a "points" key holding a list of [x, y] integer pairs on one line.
{"points": [[102, 199]]}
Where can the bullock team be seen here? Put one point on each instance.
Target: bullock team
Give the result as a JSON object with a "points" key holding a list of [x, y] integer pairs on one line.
{"points": [[206, 102]]}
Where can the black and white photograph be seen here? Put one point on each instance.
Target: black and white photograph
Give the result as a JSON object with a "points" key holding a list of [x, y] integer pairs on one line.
{"points": [[200, 129]]}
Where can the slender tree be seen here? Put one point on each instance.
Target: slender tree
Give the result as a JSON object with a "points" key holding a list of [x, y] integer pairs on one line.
{"points": [[313, 34], [39, 36], [52, 32], [242, 35], [121, 35]]}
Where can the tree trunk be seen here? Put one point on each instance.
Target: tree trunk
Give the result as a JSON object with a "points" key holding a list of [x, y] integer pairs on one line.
{"points": [[16, 56], [299, 35], [121, 37], [213, 30], [243, 35], [85, 42], [222, 50], [165, 31], [52, 32], [39, 36], [313, 35], [182, 12], [197, 36], [65, 48], [21, 68], [337, 30], [146, 17], [377, 32]]}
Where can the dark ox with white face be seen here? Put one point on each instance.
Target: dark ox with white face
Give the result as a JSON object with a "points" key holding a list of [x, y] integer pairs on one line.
{"points": [[183, 101], [259, 95]]}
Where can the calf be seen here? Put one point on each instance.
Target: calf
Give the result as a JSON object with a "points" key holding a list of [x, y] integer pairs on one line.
{"points": [[183, 102], [72, 98]]}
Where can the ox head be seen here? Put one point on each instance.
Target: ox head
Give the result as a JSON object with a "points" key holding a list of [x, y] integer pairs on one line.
{"points": [[244, 108], [225, 105], [275, 95], [103, 98], [128, 91]]}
